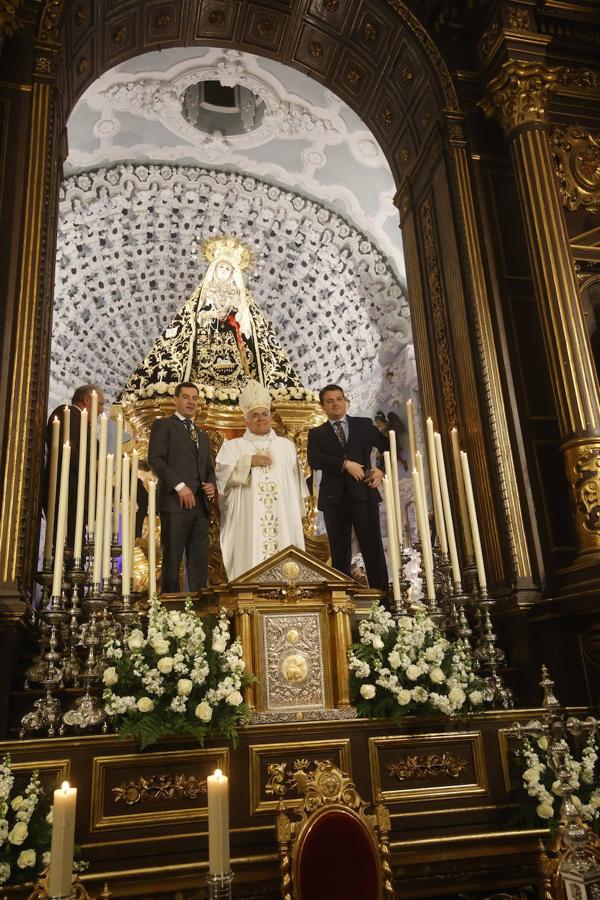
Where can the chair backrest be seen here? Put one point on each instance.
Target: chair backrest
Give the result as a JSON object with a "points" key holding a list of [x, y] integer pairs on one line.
{"points": [[330, 848]]}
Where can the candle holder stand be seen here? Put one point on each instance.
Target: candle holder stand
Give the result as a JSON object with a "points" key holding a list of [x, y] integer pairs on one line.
{"points": [[44, 578], [46, 710], [574, 863], [78, 892], [115, 575], [87, 712], [220, 886]]}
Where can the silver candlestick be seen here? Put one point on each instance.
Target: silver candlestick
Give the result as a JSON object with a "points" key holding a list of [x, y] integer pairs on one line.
{"points": [[220, 886]]}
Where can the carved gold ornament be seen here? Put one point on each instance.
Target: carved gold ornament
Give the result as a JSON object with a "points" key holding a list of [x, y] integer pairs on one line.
{"points": [[583, 472], [159, 787], [9, 19], [427, 766], [577, 154], [284, 778], [520, 94]]}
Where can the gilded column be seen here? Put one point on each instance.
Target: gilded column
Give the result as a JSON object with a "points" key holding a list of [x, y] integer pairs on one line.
{"points": [[518, 97], [33, 310]]}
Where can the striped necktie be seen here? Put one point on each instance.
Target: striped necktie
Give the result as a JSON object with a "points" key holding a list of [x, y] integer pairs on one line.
{"points": [[339, 433]]}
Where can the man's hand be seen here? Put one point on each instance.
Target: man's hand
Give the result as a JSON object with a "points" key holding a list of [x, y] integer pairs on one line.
{"points": [[209, 489], [261, 459], [187, 499], [354, 469], [374, 478]]}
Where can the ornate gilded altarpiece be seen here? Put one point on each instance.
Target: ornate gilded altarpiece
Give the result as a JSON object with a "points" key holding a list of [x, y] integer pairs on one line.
{"points": [[293, 616]]}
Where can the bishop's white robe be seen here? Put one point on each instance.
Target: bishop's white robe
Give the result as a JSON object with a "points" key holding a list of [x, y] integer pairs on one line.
{"points": [[261, 506]]}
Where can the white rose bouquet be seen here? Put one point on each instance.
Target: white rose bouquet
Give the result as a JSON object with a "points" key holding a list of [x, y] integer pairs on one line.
{"points": [[176, 678], [538, 785], [25, 828], [409, 668]]}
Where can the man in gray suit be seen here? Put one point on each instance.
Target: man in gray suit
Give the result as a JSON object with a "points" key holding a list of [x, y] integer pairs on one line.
{"points": [[179, 454]]}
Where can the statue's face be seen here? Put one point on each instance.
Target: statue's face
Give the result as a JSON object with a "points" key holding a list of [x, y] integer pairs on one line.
{"points": [[223, 271], [259, 421]]}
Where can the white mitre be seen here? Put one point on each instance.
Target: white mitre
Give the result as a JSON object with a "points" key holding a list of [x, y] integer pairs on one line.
{"points": [[254, 396]]}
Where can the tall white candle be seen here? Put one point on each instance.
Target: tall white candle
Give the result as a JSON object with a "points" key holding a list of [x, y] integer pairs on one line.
{"points": [[93, 452], [438, 512], [439, 450], [52, 479], [218, 823], [118, 454], [151, 537], [100, 494], [106, 533], [61, 523], [60, 874], [462, 497], [396, 489], [66, 435], [81, 473], [464, 459], [423, 528], [390, 518], [133, 501], [410, 418], [125, 530]]}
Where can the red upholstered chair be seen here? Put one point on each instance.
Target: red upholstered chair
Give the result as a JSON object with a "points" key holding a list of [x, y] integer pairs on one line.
{"points": [[329, 847]]}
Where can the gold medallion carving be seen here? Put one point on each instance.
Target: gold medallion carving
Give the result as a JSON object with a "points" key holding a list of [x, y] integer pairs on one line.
{"points": [[518, 18], [582, 460], [577, 155], [520, 94], [427, 766]]}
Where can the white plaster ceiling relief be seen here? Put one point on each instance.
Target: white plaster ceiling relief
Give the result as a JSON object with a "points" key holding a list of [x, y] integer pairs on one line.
{"points": [[128, 256], [306, 139], [160, 98]]}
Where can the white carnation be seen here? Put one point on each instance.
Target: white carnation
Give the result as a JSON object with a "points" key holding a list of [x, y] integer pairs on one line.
{"points": [[476, 697], [161, 646], [165, 665], [367, 691]]}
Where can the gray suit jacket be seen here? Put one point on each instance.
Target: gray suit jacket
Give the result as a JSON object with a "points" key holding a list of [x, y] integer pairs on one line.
{"points": [[174, 457]]}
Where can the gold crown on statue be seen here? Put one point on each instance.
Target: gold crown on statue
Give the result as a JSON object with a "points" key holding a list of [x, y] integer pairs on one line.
{"points": [[228, 248], [254, 396]]}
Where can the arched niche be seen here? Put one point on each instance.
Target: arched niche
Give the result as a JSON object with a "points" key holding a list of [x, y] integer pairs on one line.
{"points": [[379, 59]]}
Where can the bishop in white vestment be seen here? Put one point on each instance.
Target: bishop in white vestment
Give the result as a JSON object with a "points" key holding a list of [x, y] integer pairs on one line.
{"points": [[261, 489]]}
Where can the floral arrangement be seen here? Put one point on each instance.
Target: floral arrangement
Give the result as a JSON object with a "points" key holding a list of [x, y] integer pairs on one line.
{"points": [[407, 667], [176, 678], [538, 792], [25, 829]]}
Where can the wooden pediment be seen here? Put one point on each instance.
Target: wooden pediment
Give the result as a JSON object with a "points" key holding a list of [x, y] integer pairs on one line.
{"points": [[293, 566]]}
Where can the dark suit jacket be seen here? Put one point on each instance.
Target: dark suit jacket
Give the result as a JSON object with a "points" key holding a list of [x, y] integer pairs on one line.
{"points": [[326, 453], [173, 457]]}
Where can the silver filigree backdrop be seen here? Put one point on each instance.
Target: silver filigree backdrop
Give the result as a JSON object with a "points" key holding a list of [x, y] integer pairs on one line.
{"points": [[128, 256]]}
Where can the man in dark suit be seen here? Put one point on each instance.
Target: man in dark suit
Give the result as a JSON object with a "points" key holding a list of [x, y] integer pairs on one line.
{"points": [[348, 496], [179, 454], [82, 399]]}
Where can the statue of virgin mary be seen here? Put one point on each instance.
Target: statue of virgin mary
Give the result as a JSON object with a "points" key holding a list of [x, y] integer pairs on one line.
{"points": [[219, 339]]}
